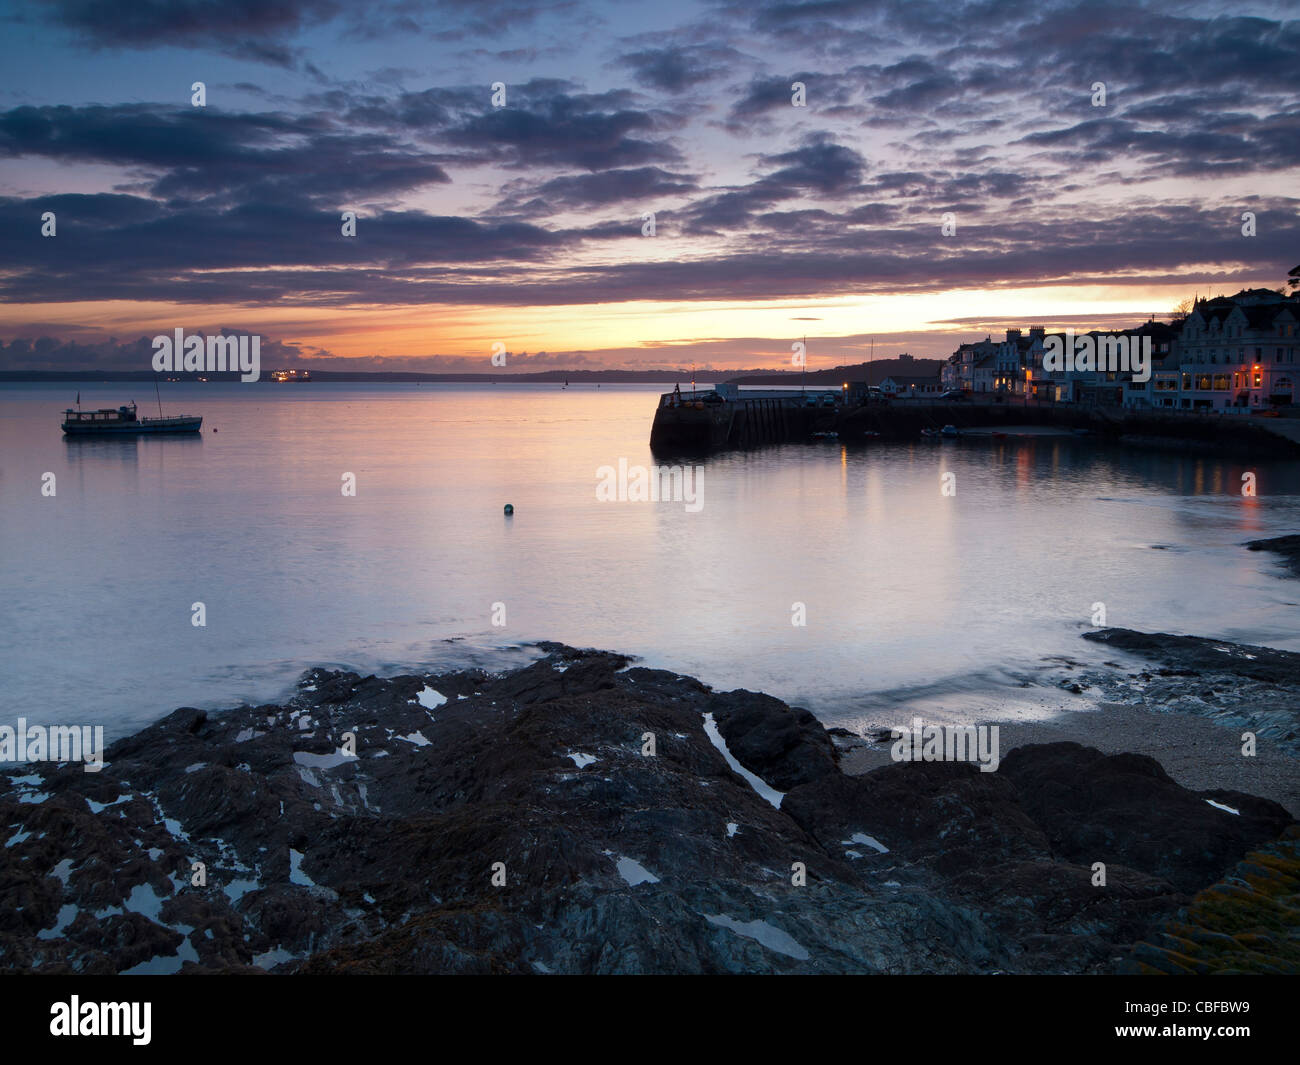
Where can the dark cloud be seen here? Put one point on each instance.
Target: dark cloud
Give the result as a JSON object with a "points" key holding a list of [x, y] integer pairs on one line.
{"points": [[765, 95], [564, 131], [406, 258], [114, 249], [138, 134], [1229, 144], [186, 22], [819, 166], [350, 146], [43, 351], [255, 30], [921, 95], [677, 68], [643, 184], [199, 153], [264, 31]]}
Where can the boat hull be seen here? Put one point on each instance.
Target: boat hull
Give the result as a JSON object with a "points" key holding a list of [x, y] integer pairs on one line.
{"points": [[160, 425]]}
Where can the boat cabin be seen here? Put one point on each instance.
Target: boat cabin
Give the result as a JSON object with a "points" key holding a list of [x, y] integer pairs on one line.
{"points": [[120, 416]]}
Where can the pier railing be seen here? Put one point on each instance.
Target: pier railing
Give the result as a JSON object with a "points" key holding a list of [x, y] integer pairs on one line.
{"points": [[672, 399]]}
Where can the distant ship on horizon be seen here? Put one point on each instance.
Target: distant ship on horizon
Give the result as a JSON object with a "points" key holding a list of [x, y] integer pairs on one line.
{"points": [[290, 375]]}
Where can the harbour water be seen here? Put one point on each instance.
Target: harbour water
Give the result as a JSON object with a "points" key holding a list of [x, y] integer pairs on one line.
{"points": [[951, 602]]}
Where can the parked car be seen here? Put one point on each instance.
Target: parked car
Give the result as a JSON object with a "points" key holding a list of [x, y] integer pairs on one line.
{"points": [[953, 393]]}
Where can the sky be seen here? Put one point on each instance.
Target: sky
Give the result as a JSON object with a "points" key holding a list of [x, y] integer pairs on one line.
{"points": [[778, 213]]}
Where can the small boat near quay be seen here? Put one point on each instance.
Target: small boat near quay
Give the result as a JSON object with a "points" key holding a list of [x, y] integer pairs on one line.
{"points": [[123, 421]]}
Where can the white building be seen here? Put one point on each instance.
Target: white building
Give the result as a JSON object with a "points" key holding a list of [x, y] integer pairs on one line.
{"points": [[1015, 357], [907, 387], [1238, 353], [995, 366], [1235, 354], [970, 367], [1103, 386]]}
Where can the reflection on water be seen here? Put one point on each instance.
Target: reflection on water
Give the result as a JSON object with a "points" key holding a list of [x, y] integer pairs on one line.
{"points": [[908, 594]]}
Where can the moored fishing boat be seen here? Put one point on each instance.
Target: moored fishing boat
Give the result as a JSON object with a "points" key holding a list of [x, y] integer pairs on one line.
{"points": [[123, 421]]}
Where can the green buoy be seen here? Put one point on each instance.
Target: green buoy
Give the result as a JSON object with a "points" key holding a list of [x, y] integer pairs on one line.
{"points": [[510, 508]]}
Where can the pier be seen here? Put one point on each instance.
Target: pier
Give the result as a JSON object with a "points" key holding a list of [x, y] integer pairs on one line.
{"points": [[728, 417]]}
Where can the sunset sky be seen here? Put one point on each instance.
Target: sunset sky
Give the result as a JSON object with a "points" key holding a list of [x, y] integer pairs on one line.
{"points": [[523, 224]]}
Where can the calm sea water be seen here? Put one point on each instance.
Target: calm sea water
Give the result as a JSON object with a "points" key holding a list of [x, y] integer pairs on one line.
{"points": [[947, 603]]}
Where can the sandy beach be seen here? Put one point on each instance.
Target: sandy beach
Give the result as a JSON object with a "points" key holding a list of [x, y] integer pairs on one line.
{"points": [[1197, 753]]}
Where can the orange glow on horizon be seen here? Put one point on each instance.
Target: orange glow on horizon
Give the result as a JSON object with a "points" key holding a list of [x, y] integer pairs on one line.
{"points": [[720, 335]]}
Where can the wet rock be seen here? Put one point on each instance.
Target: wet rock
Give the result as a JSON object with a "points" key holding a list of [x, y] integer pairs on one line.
{"points": [[1125, 809], [574, 816], [1248, 688], [784, 745], [1286, 546]]}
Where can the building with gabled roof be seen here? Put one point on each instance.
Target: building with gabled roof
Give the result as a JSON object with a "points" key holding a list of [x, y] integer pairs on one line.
{"points": [[1240, 352], [907, 386]]}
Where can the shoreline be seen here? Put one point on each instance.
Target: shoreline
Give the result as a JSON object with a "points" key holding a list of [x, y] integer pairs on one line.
{"points": [[1287, 547], [518, 822], [1199, 754], [1185, 701]]}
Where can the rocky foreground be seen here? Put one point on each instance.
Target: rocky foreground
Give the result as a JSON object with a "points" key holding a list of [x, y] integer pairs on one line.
{"points": [[518, 823]]}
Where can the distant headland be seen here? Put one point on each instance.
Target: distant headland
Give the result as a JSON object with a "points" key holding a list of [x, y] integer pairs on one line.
{"points": [[873, 372]]}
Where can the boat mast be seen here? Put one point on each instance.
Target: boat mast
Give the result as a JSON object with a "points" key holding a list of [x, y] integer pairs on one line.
{"points": [[158, 394]]}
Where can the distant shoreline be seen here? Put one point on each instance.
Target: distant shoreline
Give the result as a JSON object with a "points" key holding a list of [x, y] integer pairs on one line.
{"points": [[874, 371], [357, 377]]}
